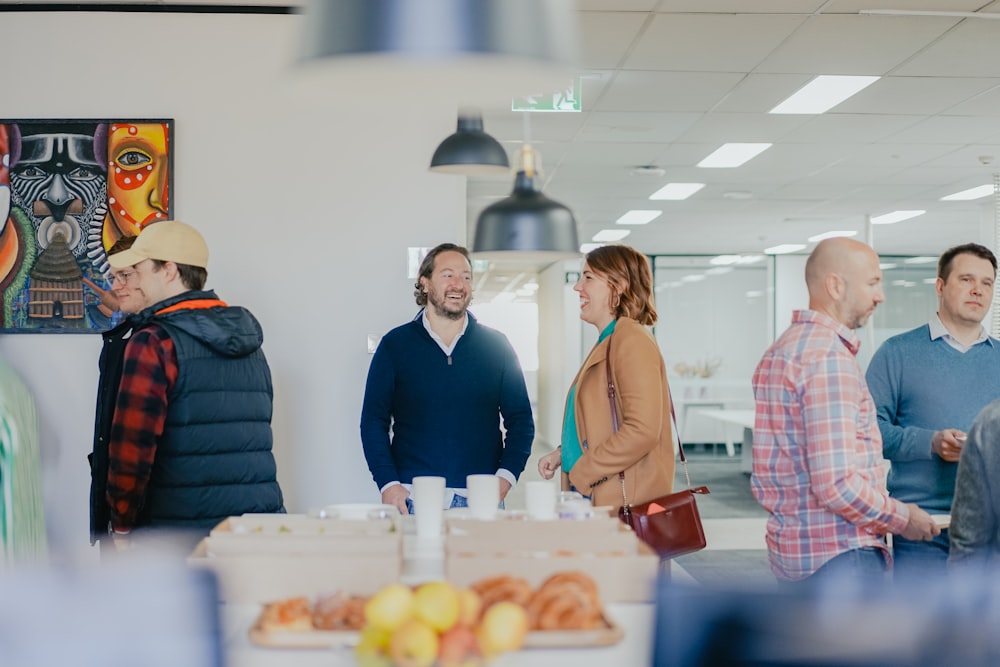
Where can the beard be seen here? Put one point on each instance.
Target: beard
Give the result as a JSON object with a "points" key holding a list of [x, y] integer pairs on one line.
{"points": [[443, 307]]}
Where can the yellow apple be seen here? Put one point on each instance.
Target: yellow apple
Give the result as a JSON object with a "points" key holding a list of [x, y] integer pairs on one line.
{"points": [[390, 607], [469, 607], [503, 628], [458, 647], [373, 640], [413, 644], [436, 604], [372, 660]]}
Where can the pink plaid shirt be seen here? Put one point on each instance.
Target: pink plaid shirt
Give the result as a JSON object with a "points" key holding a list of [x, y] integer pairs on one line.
{"points": [[817, 451]]}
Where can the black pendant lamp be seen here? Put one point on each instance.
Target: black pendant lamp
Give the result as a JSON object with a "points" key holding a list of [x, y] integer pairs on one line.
{"points": [[527, 225], [470, 150]]}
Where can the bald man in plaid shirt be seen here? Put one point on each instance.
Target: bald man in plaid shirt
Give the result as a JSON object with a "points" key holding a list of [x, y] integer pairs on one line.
{"points": [[817, 451]]}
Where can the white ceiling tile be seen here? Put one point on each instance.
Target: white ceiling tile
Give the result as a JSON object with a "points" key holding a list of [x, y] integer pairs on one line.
{"points": [[741, 6], [692, 42], [741, 127], [854, 6], [866, 45], [839, 128], [617, 5], [972, 48], [606, 37], [915, 95], [949, 130], [759, 93], [609, 126], [666, 91]]}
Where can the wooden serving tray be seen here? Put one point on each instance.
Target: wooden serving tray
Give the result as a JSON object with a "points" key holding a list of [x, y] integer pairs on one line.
{"points": [[326, 639]]}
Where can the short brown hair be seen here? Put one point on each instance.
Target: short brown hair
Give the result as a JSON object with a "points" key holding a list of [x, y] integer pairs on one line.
{"points": [[949, 255], [427, 267], [193, 277], [631, 279], [123, 243]]}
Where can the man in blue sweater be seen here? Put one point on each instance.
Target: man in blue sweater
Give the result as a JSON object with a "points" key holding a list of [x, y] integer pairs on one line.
{"points": [[928, 385], [437, 389]]}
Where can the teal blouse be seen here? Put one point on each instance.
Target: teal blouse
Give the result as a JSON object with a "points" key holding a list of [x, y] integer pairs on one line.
{"points": [[571, 448]]}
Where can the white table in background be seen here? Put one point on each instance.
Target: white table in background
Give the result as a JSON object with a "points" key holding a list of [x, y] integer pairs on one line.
{"points": [[744, 418]]}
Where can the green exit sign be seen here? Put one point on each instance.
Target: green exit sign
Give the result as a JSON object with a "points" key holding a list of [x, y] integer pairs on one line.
{"points": [[568, 99]]}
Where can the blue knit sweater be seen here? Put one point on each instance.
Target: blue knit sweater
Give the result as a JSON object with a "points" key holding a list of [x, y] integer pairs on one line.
{"points": [[921, 386], [444, 412]]}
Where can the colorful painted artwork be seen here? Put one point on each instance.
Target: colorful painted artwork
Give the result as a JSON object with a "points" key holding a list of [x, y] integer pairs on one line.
{"points": [[68, 190]]}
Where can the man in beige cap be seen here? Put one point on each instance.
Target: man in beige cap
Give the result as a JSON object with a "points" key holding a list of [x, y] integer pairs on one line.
{"points": [[190, 441]]}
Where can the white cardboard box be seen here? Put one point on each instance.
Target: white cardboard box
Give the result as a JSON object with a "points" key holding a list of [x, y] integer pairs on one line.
{"points": [[256, 566], [624, 568]]}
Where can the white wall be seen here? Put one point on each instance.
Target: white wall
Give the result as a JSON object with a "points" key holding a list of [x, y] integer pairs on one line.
{"points": [[308, 204], [560, 346]]}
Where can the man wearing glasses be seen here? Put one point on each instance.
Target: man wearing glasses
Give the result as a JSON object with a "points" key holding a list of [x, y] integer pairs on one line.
{"points": [[190, 438]]}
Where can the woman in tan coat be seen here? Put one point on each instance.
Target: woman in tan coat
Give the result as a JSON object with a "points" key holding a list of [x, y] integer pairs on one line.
{"points": [[616, 296]]}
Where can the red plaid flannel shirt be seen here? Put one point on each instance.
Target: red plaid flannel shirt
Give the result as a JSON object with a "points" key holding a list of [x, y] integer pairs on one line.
{"points": [[149, 371]]}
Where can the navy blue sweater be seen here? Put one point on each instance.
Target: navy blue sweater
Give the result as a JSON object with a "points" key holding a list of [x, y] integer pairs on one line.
{"points": [[444, 412]]}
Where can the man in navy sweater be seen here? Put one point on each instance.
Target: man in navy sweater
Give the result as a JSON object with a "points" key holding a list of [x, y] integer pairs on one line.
{"points": [[437, 389], [928, 385]]}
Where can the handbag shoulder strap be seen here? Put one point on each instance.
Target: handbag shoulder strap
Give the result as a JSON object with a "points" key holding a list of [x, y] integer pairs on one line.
{"points": [[614, 420]]}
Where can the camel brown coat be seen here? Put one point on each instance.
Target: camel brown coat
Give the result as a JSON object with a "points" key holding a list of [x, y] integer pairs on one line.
{"points": [[643, 446]]}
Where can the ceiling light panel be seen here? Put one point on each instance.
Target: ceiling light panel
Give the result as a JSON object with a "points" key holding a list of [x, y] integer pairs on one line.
{"points": [[831, 235], [607, 235], [784, 248], [972, 193], [638, 217], [732, 155], [823, 93], [894, 217], [676, 191]]}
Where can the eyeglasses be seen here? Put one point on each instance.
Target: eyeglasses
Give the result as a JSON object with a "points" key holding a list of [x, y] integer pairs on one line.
{"points": [[123, 277]]}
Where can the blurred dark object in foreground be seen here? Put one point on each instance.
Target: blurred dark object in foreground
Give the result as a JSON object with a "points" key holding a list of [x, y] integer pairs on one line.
{"points": [[953, 620]]}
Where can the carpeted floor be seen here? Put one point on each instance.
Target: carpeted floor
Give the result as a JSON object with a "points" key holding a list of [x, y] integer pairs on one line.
{"points": [[729, 498], [729, 494]]}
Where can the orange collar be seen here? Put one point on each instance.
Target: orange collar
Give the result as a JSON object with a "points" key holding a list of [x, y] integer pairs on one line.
{"points": [[193, 304]]}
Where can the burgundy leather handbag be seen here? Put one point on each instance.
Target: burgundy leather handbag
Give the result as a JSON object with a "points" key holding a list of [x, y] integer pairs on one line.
{"points": [[670, 524]]}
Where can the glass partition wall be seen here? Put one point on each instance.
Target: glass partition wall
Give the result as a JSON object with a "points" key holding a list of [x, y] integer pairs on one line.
{"points": [[715, 314], [713, 326]]}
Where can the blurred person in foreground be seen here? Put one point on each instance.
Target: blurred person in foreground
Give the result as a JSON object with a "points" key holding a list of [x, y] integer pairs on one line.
{"points": [[616, 296], [975, 511], [438, 387], [22, 513], [817, 451], [190, 440], [928, 385]]}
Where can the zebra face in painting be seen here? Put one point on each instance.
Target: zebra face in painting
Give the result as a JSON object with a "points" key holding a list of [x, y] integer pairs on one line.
{"points": [[61, 186]]}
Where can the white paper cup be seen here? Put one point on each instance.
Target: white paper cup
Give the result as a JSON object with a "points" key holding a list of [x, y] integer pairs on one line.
{"points": [[540, 499], [484, 496], [428, 506]]}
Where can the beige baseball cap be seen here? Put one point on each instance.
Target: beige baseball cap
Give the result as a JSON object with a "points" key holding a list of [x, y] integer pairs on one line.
{"points": [[167, 241]]}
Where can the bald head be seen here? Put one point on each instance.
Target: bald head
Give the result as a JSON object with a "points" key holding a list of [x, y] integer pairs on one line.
{"points": [[844, 280]]}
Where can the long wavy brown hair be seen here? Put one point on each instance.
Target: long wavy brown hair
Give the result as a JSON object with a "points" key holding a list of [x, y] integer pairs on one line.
{"points": [[631, 280]]}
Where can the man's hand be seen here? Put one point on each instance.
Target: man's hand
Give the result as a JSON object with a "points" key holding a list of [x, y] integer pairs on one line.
{"points": [[396, 495], [921, 525], [549, 464], [948, 444], [505, 487]]}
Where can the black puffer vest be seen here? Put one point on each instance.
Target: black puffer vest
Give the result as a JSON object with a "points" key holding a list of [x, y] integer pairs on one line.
{"points": [[214, 458]]}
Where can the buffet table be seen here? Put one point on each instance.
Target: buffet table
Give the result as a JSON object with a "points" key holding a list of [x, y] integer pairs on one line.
{"points": [[426, 561], [635, 649]]}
